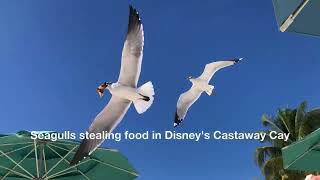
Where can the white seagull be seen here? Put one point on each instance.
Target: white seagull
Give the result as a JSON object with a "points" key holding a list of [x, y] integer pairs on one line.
{"points": [[124, 92], [199, 85]]}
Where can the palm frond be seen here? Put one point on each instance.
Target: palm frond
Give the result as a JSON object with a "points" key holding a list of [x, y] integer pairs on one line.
{"points": [[273, 125], [263, 154], [311, 123], [269, 122], [287, 117], [299, 123], [272, 168], [300, 116], [280, 143]]}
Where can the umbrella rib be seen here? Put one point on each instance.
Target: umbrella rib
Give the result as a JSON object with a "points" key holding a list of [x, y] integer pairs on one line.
{"points": [[300, 156], [67, 161], [293, 16], [16, 172], [44, 160], [83, 175], [65, 144], [115, 167], [105, 149], [107, 164], [24, 147], [16, 163], [59, 161], [11, 144], [70, 151], [60, 148], [36, 156], [61, 172]]}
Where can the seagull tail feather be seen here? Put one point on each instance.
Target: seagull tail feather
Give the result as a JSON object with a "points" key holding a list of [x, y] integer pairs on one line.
{"points": [[147, 92], [209, 90]]}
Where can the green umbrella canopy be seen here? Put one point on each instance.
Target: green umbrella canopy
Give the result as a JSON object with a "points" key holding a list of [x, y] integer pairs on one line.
{"points": [[303, 155], [24, 158], [299, 16]]}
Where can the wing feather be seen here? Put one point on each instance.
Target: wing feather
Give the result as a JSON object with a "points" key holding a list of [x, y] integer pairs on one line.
{"points": [[130, 70], [132, 51], [106, 120], [184, 103], [212, 68]]}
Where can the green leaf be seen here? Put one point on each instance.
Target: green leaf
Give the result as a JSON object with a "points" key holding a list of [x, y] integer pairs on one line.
{"points": [[287, 117], [300, 115], [299, 123], [310, 124], [273, 126], [272, 169], [262, 154]]}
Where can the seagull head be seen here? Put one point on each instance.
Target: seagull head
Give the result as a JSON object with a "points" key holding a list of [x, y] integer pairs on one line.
{"points": [[100, 89]]}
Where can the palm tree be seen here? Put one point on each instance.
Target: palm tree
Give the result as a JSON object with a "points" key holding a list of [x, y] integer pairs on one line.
{"points": [[299, 123]]}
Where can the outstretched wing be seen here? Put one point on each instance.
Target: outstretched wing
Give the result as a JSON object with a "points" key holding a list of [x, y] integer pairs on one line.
{"points": [[106, 120], [212, 68], [132, 51], [184, 103]]}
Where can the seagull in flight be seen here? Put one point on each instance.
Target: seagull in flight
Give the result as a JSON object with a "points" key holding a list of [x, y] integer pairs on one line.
{"points": [[199, 85], [124, 92]]}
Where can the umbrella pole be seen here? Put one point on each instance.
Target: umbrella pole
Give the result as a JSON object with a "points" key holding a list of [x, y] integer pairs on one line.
{"points": [[292, 16]]}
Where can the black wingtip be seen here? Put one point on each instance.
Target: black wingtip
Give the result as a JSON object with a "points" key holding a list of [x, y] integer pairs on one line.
{"points": [[77, 158], [237, 60], [74, 162], [131, 9], [134, 17], [80, 154], [177, 121], [133, 12]]}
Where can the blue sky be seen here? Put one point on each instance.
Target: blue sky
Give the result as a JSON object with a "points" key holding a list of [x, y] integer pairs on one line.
{"points": [[53, 54]]}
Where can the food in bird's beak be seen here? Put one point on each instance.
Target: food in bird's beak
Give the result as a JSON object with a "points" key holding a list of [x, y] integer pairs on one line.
{"points": [[101, 88], [100, 92]]}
